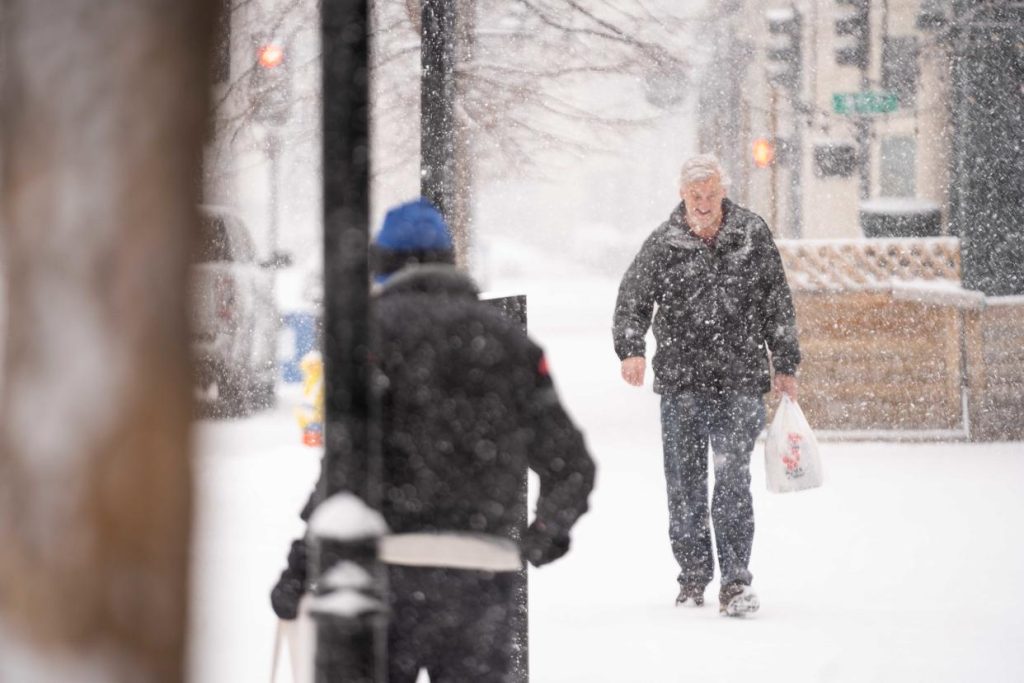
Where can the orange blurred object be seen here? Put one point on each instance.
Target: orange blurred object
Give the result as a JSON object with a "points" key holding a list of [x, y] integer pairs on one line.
{"points": [[312, 437], [764, 152], [270, 56]]}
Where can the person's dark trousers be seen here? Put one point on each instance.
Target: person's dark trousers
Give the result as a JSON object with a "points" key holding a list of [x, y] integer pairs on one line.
{"points": [[731, 423], [454, 623]]}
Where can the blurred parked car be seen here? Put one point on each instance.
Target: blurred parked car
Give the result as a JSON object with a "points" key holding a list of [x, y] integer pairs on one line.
{"points": [[234, 318]]}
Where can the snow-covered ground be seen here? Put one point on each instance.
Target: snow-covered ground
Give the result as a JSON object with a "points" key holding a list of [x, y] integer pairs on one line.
{"points": [[906, 566]]}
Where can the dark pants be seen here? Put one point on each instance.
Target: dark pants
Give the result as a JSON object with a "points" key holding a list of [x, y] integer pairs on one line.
{"points": [[457, 624], [731, 422]]}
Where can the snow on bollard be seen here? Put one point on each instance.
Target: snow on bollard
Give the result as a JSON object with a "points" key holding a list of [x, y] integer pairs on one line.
{"points": [[348, 604], [344, 517]]}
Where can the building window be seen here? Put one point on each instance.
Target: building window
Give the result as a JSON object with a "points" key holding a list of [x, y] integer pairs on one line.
{"points": [[899, 68], [898, 167]]}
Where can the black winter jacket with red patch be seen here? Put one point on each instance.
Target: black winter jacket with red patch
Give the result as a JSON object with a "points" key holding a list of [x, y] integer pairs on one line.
{"points": [[466, 405]]}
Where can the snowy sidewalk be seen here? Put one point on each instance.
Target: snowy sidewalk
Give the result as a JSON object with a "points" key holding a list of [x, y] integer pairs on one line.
{"points": [[906, 566]]}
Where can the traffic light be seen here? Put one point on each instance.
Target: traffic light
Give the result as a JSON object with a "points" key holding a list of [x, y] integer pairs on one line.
{"points": [[270, 56], [270, 83], [784, 51], [764, 152], [853, 33]]}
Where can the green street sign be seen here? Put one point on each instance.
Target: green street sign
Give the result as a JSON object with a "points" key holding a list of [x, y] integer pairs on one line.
{"points": [[865, 102]]}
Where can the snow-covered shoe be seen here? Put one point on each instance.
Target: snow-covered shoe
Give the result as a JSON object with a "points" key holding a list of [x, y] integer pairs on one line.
{"points": [[737, 599], [691, 596]]}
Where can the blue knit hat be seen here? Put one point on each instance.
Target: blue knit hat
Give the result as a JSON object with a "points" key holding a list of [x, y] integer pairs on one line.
{"points": [[414, 232], [414, 226]]}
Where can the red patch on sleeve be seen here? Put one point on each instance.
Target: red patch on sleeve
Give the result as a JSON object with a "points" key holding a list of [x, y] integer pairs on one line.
{"points": [[542, 367]]}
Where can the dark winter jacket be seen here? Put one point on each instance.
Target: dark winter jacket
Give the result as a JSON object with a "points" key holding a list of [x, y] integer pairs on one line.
{"points": [[466, 405], [717, 307]]}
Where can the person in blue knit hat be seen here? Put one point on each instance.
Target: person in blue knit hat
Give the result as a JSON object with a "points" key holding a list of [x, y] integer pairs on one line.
{"points": [[414, 232], [467, 404]]}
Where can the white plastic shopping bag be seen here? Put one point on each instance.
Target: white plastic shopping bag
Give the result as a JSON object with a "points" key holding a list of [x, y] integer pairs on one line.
{"points": [[791, 458]]}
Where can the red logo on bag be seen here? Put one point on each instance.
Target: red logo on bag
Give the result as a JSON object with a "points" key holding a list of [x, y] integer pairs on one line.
{"points": [[792, 457]]}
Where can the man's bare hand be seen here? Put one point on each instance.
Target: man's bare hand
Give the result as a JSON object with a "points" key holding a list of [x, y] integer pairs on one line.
{"points": [[786, 384], [633, 370]]}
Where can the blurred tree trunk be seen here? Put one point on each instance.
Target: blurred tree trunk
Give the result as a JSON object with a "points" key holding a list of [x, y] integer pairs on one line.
{"points": [[104, 108], [519, 65], [446, 144]]}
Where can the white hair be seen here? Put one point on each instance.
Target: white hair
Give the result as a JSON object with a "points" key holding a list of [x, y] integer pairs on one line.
{"points": [[702, 167]]}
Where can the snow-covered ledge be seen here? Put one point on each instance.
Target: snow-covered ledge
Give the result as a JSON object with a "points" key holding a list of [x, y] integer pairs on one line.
{"points": [[1010, 300], [938, 293]]}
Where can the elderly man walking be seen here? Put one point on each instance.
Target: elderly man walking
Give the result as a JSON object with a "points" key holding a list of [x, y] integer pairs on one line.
{"points": [[723, 305]]}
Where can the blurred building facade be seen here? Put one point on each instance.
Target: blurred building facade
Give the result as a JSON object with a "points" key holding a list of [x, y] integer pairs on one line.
{"points": [[841, 120], [858, 100], [263, 157]]}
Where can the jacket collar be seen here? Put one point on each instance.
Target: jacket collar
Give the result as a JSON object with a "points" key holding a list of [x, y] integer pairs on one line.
{"points": [[730, 234], [429, 278]]}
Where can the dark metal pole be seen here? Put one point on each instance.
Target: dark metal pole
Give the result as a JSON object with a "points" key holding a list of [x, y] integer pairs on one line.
{"points": [[346, 234], [794, 154], [794, 158], [349, 642], [274, 152], [863, 122], [437, 104]]}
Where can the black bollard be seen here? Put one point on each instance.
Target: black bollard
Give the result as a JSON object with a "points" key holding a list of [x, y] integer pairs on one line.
{"points": [[348, 603]]}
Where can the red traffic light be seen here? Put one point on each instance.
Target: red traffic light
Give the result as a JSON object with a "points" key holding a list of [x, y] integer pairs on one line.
{"points": [[270, 56], [764, 152]]}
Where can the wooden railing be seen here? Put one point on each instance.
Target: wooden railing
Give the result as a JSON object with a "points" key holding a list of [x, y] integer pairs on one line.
{"points": [[893, 345]]}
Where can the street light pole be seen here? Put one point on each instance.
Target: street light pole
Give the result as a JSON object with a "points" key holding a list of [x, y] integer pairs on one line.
{"points": [[773, 133], [274, 154]]}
